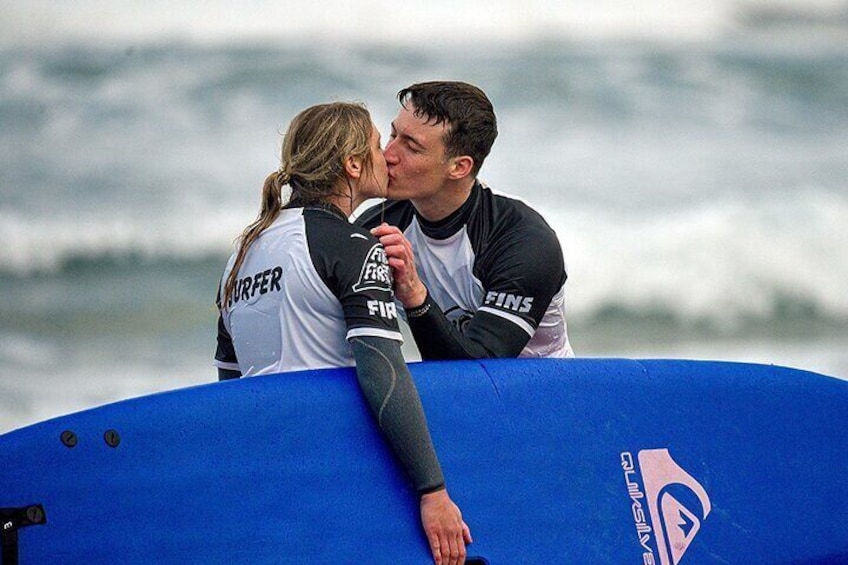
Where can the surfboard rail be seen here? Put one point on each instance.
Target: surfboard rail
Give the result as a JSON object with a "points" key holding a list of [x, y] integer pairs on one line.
{"points": [[573, 460]]}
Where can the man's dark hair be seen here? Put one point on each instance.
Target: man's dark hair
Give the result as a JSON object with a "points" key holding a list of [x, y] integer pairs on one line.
{"points": [[463, 108]]}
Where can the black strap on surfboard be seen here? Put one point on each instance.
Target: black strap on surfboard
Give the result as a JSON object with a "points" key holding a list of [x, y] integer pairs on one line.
{"points": [[12, 520]]}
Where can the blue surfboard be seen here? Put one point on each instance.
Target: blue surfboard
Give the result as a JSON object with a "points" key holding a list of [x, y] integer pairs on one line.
{"points": [[551, 461]]}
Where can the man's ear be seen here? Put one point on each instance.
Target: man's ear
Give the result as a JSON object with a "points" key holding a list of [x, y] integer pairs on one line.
{"points": [[353, 166], [461, 167]]}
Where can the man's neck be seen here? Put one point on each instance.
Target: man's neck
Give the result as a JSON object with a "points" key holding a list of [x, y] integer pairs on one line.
{"points": [[447, 201]]}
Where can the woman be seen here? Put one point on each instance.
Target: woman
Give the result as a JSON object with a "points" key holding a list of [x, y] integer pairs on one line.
{"points": [[307, 290]]}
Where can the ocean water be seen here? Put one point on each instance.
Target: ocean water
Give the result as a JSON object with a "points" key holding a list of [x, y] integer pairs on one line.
{"points": [[694, 161]]}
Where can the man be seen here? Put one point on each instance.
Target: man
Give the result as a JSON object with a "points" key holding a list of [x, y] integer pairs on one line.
{"points": [[479, 274]]}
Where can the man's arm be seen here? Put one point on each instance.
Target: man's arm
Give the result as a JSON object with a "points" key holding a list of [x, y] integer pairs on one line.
{"points": [[390, 392], [484, 335]]}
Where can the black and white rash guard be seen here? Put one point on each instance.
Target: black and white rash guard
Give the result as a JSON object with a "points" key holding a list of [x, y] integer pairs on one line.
{"points": [[495, 276], [315, 291], [309, 284]]}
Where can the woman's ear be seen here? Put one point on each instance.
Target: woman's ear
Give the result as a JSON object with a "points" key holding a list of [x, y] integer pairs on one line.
{"points": [[353, 166], [461, 167]]}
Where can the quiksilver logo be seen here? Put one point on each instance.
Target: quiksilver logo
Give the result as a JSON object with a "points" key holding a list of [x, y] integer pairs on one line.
{"points": [[375, 273], [672, 525]]}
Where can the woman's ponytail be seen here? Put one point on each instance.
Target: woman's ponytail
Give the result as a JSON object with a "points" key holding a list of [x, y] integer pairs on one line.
{"points": [[272, 202]]}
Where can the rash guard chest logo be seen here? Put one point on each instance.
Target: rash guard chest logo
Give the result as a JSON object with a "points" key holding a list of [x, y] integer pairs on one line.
{"points": [[375, 273]]}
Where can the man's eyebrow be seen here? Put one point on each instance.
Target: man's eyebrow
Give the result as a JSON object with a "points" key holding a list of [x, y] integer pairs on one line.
{"points": [[407, 137]]}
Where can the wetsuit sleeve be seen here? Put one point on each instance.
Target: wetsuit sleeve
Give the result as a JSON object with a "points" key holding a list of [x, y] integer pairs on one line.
{"points": [[391, 394], [520, 278], [482, 336]]}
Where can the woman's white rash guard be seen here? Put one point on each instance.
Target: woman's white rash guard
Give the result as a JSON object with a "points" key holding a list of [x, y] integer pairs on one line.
{"points": [[314, 292]]}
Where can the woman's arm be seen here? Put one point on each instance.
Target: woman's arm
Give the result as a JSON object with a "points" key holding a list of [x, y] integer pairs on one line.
{"points": [[390, 392]]}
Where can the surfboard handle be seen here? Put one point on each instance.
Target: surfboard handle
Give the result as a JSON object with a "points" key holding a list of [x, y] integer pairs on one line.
{"points": [[12, 520]]}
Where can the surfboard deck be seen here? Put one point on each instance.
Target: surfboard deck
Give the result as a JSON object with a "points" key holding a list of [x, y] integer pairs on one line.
{"points": [[551, 461]]}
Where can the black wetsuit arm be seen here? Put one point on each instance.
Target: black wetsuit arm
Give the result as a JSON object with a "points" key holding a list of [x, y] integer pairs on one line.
{"points": [[483, 336], [391, 394]]}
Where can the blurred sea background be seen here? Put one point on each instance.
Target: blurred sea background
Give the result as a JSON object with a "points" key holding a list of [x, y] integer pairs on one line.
{"points": [[692, 156]]}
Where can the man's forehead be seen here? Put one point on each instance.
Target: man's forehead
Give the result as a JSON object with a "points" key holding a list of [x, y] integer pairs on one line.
{"points": [[407, 122]]}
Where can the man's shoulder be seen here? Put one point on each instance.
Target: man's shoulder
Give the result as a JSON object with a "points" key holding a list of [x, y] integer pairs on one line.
{"points": [[505, 201], [518, 241], [508, 215]]}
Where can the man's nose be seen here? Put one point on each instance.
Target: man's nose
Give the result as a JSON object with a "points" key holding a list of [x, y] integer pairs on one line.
{"points": [[389, 152]]}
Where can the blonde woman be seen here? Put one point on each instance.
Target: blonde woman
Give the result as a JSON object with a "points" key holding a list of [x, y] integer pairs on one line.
{"points": [[307, 290]]}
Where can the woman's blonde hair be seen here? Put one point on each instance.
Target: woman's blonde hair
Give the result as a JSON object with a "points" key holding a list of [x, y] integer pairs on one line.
{"points": [[315, 147]]}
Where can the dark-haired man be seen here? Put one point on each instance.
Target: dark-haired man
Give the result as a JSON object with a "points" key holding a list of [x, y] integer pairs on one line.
{"points": [[479, 274]]}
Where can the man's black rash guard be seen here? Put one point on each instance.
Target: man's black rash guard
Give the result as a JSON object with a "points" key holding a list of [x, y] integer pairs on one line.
{"points": [[388, 388], [494, 273], [437, 338]]}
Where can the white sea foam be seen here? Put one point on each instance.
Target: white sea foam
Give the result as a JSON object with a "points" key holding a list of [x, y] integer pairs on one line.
{"points": [[722, 262], [39, 245]]}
